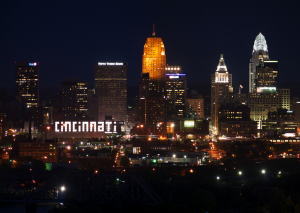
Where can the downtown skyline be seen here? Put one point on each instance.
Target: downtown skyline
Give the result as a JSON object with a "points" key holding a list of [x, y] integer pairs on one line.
{"points": [[67, 45]]}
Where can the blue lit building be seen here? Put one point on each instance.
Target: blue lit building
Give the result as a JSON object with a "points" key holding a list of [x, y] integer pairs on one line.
{"points": [[176, 89]]}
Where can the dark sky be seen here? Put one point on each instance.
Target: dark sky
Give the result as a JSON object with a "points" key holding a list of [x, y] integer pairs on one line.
{"points": [[67, 37]]}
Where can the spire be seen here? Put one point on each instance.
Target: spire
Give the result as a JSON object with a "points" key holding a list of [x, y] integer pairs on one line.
{"points": [[221, 66], [260, 43], [153, 34]]}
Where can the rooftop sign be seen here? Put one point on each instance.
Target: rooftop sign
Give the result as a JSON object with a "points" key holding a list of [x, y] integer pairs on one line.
{"points": [[110, 63]]}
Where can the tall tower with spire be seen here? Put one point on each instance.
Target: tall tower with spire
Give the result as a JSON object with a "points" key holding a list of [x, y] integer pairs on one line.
{"points": [[154, 62], [259, 54], [221, 86], [264, 97], [152, 82]]}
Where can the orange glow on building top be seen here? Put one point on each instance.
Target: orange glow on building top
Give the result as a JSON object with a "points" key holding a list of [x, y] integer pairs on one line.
{"points": [[154, 59]]}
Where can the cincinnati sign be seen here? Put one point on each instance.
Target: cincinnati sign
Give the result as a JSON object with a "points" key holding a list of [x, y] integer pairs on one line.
{"points": [[88, 126]]}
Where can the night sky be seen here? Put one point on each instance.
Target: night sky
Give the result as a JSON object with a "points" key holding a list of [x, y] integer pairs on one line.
{"points": [[67, 37]]}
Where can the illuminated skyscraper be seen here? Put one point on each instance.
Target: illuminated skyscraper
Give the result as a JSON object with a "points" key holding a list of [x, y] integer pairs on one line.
{"points": [[152, 82], [27, 83], [259, 54], [264, 97], [221, 86], [176, 88], [111, 89], [154, 62]]}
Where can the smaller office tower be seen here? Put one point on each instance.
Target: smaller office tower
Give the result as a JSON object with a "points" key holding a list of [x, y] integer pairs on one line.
{"points": [[221, 87], [27, 83], [144, 115], [259, 54], [111, 89], [74, 98], [151, 104], [266, 74], [267, 100], [176, 89], [195, 106]]}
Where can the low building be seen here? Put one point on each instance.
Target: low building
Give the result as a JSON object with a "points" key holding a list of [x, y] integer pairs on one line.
{"points": [[46, 152]]}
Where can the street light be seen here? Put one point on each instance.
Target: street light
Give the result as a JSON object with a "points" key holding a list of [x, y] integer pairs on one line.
{"points": [[218, 177], [62, 188], [263, 171], [240, 173]]}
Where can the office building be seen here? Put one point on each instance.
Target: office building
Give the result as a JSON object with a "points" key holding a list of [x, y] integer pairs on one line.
{"points": [[46, 152], [74, 98], [295, 107], [154, 63], [221, 87], [234, 121], [280, 123], [27, 83], [152, 82], [195, 106], [259, 54], [176, 88], [264, 97], [111, 89]]}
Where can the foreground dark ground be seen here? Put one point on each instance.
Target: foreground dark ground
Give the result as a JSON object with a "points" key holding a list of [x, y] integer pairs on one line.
{"points": [[276, 190]]}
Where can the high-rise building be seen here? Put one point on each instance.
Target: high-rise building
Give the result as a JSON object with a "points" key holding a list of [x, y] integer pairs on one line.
{"points": [[221, 86], [176, 88], [154, 63], [27, 83], [111, 89], [267, 100], [259, 54], [152, 82], [195, 106], [74, 98], [264, 97]]}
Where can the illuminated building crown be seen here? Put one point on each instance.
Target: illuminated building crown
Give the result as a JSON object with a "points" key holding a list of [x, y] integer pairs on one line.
{"points": [[221, 66], [260, 43]]}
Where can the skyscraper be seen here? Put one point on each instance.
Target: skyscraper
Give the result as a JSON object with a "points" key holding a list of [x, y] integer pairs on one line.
{"points": [[74, 98], [221, 86], [111, 89], [259, 54], [264, 97], [154, 62], [27, 83], [176, 88], [152, 102]]}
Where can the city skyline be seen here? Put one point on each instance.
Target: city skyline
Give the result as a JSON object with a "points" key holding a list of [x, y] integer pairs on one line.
{"points": [[67, 45]]}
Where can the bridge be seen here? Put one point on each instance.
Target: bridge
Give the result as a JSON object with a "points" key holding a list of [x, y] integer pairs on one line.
{"points": [[58, 187]]}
